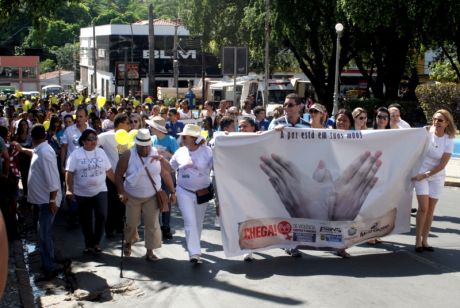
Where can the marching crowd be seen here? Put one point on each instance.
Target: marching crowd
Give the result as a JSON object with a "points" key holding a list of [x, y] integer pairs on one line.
{"points": [[66, 150]]}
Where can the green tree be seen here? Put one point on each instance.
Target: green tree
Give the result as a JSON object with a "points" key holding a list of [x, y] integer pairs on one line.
{"points": [[47, 65], [66, 55]]}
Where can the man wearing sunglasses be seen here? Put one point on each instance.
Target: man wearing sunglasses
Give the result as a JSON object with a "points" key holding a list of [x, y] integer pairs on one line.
{"points": [[291, 116]]}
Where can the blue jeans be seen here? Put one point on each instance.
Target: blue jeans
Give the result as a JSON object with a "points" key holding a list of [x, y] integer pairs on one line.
{"points": [[46, 219]]}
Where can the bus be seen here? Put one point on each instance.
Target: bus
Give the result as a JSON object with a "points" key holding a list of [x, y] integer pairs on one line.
{"points": [[51, 90]]}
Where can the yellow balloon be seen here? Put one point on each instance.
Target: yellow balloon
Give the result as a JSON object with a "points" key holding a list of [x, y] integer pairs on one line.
{"points": [[136, 103], [27, 106], [117, 99], [18, 93], [204, 133], [87, 100], [77, 102], [148, 100], [74, 116], [46, 125], [101, 101], [54, 100], [122, 137], [132, 134]]}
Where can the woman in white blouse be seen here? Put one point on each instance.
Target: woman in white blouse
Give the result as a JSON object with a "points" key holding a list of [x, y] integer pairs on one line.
{"points": [[193, 162], [430, 179]]}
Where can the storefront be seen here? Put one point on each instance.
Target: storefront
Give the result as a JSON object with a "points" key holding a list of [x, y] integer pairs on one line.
{"points": [[120, 44]]}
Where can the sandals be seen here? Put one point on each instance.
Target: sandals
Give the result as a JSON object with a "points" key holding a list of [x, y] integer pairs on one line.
{"points": [[151, 258], [343, 253]]}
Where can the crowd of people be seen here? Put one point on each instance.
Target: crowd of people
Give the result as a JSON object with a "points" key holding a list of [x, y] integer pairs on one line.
{"points": [[64, 146]]}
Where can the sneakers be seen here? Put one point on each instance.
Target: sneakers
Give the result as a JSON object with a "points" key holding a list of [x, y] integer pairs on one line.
{"points": [[248, 257], [293, 252], [166, 233], [195, 259]]}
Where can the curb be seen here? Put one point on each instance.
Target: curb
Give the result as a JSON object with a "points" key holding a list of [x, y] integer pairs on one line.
{"points": [[22, 274]]}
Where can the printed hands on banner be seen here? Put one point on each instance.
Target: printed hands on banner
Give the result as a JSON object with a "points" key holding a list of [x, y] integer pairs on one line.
{"points": [[320, 197]]}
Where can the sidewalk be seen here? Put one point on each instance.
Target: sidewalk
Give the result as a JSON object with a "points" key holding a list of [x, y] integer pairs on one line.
{"points": [[453, 172]]}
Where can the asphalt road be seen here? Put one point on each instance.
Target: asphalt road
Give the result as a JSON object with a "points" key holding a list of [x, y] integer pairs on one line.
{"points": [[389, 274]]}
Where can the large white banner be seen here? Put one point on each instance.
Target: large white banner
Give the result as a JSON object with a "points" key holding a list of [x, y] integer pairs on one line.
{"points": [[315, 188]]}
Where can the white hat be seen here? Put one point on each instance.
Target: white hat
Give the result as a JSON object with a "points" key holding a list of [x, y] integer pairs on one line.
{"points": [[157, 123], [143, 137], [191, 130]]}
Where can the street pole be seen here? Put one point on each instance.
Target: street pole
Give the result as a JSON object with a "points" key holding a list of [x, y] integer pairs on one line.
{"points": [[235, 58], [267, 51], [176, 62], [131, 86], [125, 75], [338, 30], [94, 59], [203, 73], [152, 87]]}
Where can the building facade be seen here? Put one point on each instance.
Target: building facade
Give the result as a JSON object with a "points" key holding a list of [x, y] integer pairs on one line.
{"points": [[21, 72], [117, 45]]}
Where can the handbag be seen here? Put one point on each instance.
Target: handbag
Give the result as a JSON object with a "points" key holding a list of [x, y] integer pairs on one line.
{"points": [[161, 196], [205, 194]]}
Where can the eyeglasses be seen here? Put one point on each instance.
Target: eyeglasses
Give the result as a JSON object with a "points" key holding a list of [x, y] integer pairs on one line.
{"points": [[438, 120], [315, 111], [134, 121], [380, 117], [289, 105], [362, 118], [91, 138]]}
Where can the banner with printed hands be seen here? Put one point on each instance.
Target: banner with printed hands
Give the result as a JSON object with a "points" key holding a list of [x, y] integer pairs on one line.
{"points": [[315, 188]]}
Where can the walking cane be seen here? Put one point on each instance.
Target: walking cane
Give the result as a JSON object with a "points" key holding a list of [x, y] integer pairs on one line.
{"points": [[122, 246]]}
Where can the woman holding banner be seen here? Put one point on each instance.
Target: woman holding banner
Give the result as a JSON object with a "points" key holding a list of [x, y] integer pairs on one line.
{"points": [[193, 162], [430, 179]]}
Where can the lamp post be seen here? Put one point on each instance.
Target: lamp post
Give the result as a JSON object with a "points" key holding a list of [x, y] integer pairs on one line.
{"points": [[338, 30]]}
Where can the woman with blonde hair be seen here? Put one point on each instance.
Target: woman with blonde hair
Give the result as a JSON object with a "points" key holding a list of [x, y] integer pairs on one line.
{"points": [[360, 116], [430, 179]]}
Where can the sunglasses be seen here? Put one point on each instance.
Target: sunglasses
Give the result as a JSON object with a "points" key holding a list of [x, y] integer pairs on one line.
{"points": [[438, 120], [313, 111], [134, 122], [290, 105], [380, 117], [91, 138], [362, 118]]}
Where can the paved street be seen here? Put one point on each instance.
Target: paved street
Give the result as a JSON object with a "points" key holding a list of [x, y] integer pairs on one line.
{"points": [[390, 274]]}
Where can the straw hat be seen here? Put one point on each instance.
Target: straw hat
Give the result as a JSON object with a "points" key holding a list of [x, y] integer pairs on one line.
{"points": [[157, 123], [191, 130], [143, 138]]}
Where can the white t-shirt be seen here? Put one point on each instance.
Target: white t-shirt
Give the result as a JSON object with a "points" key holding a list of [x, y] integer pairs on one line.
{"points": [[193, 167], [107, 125], [89, 170], [70, 137], [137, 182], [403, 124], [110, 146], [437, 147], [184, 115]]}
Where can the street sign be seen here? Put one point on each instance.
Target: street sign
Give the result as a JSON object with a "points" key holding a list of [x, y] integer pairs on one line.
{"points": [[228, 61]]}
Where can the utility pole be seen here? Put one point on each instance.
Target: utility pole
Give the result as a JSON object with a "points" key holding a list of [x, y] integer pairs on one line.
{"points": [[125, 75], [267, 52], [94, 59], [152, 87], [203, 73], [235, 58], [176, 61]]}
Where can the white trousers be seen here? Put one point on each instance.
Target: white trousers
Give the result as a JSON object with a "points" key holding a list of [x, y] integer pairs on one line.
{"points": [[193, 215]]}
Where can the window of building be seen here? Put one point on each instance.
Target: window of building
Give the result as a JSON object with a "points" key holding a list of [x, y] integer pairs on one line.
{"points": [[29, 72], [9, 72]]}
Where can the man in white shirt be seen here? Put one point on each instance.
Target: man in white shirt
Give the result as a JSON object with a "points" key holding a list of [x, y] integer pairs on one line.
{"points": [[395, 117], [116, 209], [45, 193], [69, 142]]}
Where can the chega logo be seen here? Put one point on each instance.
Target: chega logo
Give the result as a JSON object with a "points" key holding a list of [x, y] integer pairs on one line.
{"points": [[271, 230]]}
